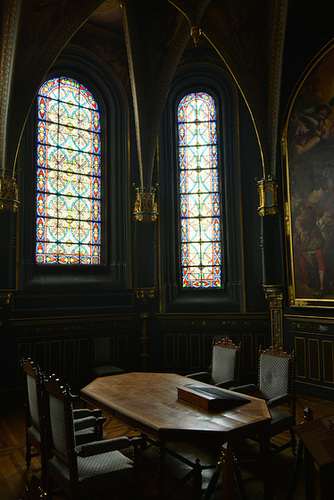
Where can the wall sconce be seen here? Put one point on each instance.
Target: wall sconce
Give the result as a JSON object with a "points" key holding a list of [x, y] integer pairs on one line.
{"points": [[267, 189], [9, 193], [145, 206]]}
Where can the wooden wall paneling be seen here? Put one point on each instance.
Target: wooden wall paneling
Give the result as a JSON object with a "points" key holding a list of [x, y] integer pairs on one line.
{"points": [[327, 361], [69, 358], [23, 349], [40, 354], [247, 354], [207, 350], [314, 359], [260, 341], [84, 361], [55, 358], [113, 353], [182, 351], [122, 351], [195, 354], [300, 352], [169, 351]]}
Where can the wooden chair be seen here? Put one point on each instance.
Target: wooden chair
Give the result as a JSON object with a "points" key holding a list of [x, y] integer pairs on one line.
{"points": [[276, 384], [85, 470], [103, 364], [32, 378], [88, 423], [225, 365]]}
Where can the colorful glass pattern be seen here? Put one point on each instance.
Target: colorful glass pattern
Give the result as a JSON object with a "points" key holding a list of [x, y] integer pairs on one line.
{"points": [[201, 253], [68, 204]]}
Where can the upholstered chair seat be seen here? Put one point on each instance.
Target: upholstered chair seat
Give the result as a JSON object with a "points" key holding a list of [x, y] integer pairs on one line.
{"points": [[81, 470], [87, 423], [100, 463], [103, 357], [104, 370]]}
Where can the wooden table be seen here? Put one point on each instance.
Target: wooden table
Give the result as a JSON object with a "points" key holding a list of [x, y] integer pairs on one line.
{"points": [[317, 437], [148, 403]]}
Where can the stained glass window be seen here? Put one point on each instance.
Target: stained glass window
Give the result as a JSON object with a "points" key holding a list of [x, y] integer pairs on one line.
{"points": [[68, 204], [201, 255]]}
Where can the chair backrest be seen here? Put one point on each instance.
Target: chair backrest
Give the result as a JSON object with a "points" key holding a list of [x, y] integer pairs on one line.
{"points": [[225, 365], [32, 384], [60, 424], [276, 373]]}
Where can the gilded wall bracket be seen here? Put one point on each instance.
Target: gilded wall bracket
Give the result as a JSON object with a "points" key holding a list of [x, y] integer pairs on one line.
{"points": [[145, 205], [146, 293], [267, 189], [9, 193]]}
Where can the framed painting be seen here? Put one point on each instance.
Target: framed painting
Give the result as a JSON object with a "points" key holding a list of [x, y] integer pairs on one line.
{"points": [[309, 196]]}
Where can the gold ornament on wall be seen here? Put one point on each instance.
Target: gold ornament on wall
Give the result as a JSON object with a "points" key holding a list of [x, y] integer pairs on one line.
{"points": [[267, 189], [145, 206], [9, 193], [195, 33], [146, 293]]}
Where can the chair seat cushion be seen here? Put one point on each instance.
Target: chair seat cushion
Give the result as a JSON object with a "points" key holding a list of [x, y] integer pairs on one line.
{"points": [[104, 370], [97, 468], [280, 419]]}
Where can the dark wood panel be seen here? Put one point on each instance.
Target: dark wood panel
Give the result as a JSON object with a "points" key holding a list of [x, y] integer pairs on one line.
{"points": [[314, 359], [122, 351], [169, 351], [55, 356], [40, 351], [182, 351], [207, 350], [300, 350], [327, 359], [247, 351], [84, 360], [195, 352]]}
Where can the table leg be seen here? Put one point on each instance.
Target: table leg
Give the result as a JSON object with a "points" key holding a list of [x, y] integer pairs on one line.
{"points": [[161, 471], [227, 472], [309, 476], [197, 479], [265, 467], [326, 481]]}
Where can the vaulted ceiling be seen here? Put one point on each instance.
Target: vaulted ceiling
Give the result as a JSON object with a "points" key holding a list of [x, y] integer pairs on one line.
{"points": [[143, 41]]}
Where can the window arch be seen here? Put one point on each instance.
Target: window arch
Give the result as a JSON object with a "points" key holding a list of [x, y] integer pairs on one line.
{"points": [[68, 204], [201, 257], [199, 197]]}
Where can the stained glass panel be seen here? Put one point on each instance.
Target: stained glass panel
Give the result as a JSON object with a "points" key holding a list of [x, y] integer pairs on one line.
{"points": [[201, 253], [68, 201]]}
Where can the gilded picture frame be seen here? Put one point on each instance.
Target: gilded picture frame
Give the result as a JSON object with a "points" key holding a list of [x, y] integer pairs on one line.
{"points": [[308, 141]]}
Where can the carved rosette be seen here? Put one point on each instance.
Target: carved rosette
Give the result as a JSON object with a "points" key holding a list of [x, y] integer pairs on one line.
{"points": [[145, 206], [9, 193], [267, 189]]}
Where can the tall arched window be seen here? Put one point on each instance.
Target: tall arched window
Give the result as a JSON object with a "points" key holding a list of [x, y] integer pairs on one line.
{"points": [[199, 198], [68, 205]]}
